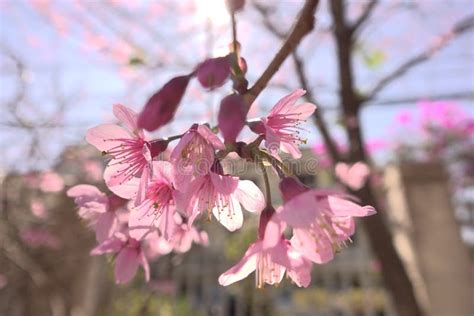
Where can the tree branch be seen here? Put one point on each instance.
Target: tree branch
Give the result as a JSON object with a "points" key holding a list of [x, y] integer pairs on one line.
{"points": [[317, 116], [443, 40], [369, 8], [302, 27]]}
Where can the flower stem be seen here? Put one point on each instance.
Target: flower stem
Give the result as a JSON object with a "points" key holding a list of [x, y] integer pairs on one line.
{"points": [[268, 194]]}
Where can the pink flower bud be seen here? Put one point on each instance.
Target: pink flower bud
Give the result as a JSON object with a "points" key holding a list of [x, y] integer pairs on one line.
{"points": [[235, 5], [157, 147], [212, 73], [265, 217], [257, 126], [161, 107], [231, 118], [291, 187]]}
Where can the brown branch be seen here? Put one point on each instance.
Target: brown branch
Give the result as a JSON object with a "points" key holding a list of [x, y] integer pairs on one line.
{"points": [[443, 40], [317, 116], [265, 13], [303, 25], [369, 8]]}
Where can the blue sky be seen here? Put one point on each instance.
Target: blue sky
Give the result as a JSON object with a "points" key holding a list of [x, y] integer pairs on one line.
{"points": [[61, 68]]}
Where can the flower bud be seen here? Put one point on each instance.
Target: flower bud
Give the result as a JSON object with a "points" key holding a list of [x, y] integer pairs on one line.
{"points": [[212, 73], [235, 5], [231, 117], [161, 107], [256, 126], [291, 187], [157, 147]]}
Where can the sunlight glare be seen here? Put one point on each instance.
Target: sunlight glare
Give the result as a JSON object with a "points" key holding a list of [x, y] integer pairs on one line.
{"points": [[214, 10]]}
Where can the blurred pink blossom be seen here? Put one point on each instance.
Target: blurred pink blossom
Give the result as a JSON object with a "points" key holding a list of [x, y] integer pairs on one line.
{"points": [[38, 237], [38, 208]]}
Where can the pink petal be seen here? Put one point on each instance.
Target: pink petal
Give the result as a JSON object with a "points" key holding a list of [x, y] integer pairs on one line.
{"points": [[305, 244], [126, 116], [243, 268], [212, 138], [166, 222], [292, 149], [117, 184], [299, 211], [84, 190], [141, 220], [104, 136], [250, 196], [285, 103], [126, 265], [300, 273], [343, 207], [143, 185], [164, 171], [304, 110], [231, 216], [183, 142], [224, 184], [105, 226], [273, 232], [110, 245]]}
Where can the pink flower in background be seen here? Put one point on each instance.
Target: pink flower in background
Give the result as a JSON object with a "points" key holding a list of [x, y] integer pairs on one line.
{"points": [[129, 256], [194, 153], [93, 169], [353, 176], [445, 114], [98, 209], [130, 153], [48, 181], [158, 207], [185, 235], [281, 127], [321, 219], [222, 195], [38, 237], [38, 209], [404, 118]]}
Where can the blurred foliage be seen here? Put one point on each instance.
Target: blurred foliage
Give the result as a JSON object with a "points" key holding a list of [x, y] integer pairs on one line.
{"points": [[140, 302]]}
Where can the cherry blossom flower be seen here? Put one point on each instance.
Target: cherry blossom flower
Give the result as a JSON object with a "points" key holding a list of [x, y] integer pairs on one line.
{"points": [[158, 207], [130, 256], [194, 153], [185, 235], [270, 256], [38, 209], [39, 237], [322, 220], [98, 209], [222, 195], [281, 127], [353, 176], [131, 154]]}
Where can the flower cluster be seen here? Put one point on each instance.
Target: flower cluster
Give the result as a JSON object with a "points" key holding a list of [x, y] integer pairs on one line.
{"points": [[156, 202]]}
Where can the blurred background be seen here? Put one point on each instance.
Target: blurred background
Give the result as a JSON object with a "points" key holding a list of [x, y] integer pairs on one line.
{"points": [[65, 63]]}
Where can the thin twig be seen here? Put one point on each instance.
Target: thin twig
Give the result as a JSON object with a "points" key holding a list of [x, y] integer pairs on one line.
{"points": [[461, 27], [303, 25], [369, 8], [268, 195], [317, 116]]}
